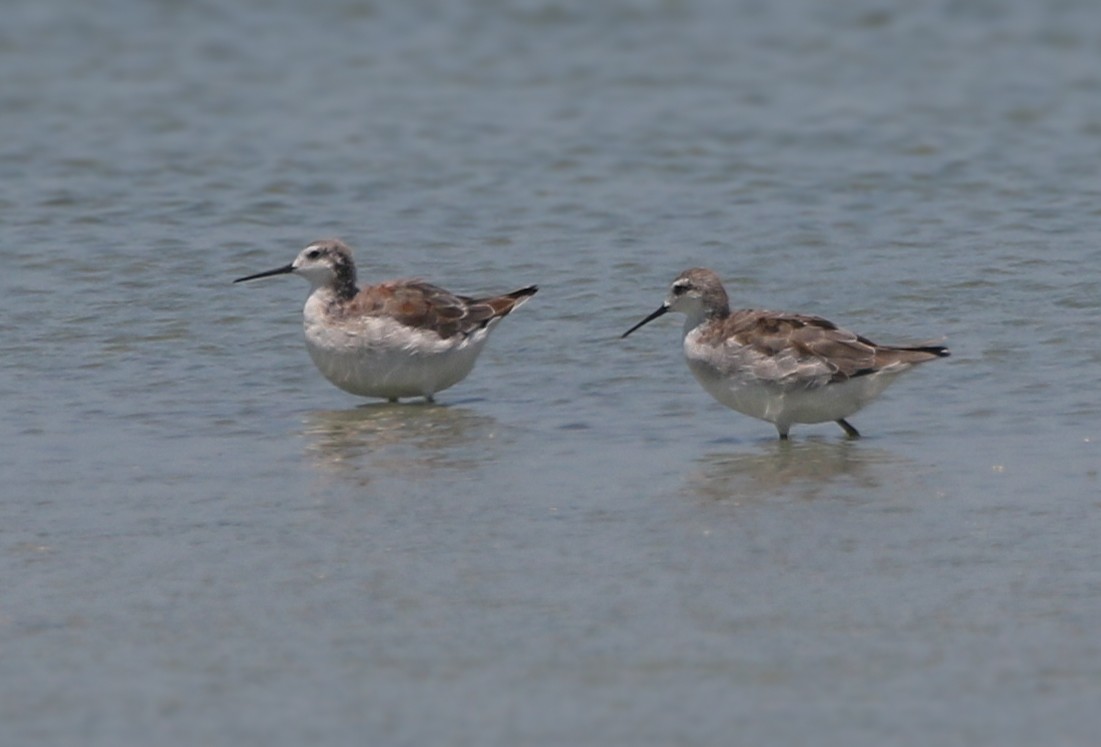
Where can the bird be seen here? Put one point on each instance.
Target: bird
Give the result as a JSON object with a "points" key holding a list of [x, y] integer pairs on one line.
{"points": [[780, 367], [399, 339]]}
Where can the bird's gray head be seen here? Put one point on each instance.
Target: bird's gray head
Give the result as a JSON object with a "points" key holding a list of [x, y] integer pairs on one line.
{"points": [[324, 263], [327, 262], [697, 292]]}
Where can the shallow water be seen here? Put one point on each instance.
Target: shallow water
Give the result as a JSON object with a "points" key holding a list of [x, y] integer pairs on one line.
{"points": [[205, 541]]}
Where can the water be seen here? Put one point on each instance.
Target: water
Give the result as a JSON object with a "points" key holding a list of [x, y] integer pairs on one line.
{"points": [[204, 542]]}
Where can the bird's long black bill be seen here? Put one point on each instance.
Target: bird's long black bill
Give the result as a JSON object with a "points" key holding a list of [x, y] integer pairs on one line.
{"points": [[268, 273], [661, 310]]}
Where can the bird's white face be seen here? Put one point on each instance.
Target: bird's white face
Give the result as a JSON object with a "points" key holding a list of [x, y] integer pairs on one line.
{"points": [[684, 296], [317, 263]]}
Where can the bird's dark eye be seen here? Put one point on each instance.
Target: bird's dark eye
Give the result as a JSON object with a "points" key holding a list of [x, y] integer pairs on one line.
{"points": [[678, 290], [313, 254]]}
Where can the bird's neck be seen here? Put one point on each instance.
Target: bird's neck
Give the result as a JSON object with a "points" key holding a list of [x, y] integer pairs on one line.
{"points": [[326, 301], [701, 315], [338, 290], [344, 287]]}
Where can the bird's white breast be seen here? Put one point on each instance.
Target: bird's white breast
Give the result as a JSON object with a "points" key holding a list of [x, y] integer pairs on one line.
{"points": [[376, 356], [778, 388]]}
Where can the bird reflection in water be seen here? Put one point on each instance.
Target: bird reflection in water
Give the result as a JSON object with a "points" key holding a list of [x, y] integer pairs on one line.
{"points": [[806, 470], [399, 439]]}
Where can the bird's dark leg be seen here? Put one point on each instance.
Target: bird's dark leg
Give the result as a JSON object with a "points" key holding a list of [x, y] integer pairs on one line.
{"points": [[849, 430]]}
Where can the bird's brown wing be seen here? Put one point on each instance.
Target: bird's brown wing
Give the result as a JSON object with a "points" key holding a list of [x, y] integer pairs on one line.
{"points": [[422, 305], [785, 344]]}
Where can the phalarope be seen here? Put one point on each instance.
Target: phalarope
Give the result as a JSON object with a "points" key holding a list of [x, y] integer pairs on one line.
{"points": [[400, 338], [783, 368]]}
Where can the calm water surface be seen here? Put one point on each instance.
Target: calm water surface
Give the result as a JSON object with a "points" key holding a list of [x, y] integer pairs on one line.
{"points": [[204, 542]]}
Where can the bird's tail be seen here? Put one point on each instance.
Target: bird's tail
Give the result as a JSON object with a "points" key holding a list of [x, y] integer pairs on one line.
{"points": [[503, 305], [917, 353]]}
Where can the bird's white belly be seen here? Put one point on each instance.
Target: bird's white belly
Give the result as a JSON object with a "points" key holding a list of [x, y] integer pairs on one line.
{"points": [[378, 357], [791, 399]]}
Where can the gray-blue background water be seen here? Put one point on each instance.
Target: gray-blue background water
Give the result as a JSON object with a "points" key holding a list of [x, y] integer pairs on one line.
{"points": [[205, 542]]}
